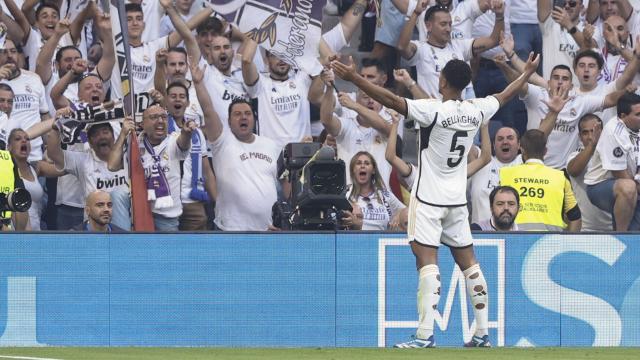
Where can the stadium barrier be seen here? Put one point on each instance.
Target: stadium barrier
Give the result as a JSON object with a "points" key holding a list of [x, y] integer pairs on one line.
{"points": [[313, 289]]}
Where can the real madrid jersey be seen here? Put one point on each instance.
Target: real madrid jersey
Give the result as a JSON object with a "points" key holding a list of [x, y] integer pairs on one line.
{"points": [[429, 61], [563, 139], [283, 107], [223, 89], [617, 150], [143, 67], [446, 134]]}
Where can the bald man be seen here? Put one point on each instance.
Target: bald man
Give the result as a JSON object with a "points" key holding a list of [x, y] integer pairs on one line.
{"points": [[98, 213]]}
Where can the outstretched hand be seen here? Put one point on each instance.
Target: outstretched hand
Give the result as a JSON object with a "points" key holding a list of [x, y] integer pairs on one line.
{"points": [[558, 98], [532, 63], [347, 71]]}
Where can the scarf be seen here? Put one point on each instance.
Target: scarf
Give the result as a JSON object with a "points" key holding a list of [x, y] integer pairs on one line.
{"points": [[198, 192], [157, 184]]}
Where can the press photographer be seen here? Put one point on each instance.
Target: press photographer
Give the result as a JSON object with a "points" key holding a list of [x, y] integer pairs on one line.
{"points": [[318, 190], [14, 199]]}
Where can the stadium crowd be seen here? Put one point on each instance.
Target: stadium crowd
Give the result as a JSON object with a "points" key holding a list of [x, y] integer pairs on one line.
{"points": [[219, 111]]}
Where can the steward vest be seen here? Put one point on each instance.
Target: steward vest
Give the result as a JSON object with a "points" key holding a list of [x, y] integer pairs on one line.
{"points": [[7, 180], [542, 195]]}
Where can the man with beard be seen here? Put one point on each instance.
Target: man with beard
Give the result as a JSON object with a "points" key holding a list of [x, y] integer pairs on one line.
{"points": [[505, 204], [546, 197], [505, 146], [29, 101], [283, 96], [161, 155], [69, 64], [98, 210]]}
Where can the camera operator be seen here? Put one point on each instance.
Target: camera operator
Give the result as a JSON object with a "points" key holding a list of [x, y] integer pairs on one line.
{"points": [[14, 199]]}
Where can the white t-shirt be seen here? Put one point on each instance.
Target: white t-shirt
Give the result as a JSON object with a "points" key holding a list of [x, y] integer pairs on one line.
{"points": [[353, 138], [563, 139], [94, 173], [558, 47], [601, 91], [4, 125], [246, 175], [523, 11], [283, 107], [429, 61], [593, 219], [34, 44], [29, 101], [462, 18], [170, 158], [617, 150], [446, 134], [378, 210], [482, 183], [223, 89], [69, 190], [143, 67]]}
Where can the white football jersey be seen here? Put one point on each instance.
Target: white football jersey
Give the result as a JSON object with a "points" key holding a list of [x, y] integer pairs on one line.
{"points": [[35, 42], [593, 219], [283, 107], [482, 183], [446, 134], [429, 61], [462, 19], [143, 67], [94, 173], [617, 150], [563, 139], [29, 101], [223, 89]]}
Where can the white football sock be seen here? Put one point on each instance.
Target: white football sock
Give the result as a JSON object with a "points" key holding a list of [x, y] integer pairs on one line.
{"points": [[428, 298], [479, 294]]}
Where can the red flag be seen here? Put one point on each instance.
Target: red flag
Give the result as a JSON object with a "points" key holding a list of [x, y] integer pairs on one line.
{"points": [[140, 208]]}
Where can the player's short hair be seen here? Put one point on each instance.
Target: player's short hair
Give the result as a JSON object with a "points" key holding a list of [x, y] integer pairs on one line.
{"points": [[457, 73], [588, 53], [237, 101], [179, 84], [380, 65], [533, 143], [47, 4], [588, 117], [626, 101], [428, 15], [133, 7], [93, 129], [65, 48], [211, 24], [6, 87], [501, 188], [562, 67]]}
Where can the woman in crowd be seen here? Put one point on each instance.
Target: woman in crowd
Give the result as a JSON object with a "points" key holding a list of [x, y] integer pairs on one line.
{"points": [[19, 146], [381, 210]]}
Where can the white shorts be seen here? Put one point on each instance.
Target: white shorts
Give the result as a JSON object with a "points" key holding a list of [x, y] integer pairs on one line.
{"points": [[431, 225], [335, 39]]}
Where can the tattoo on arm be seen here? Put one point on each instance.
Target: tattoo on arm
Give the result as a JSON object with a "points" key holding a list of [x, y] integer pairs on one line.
{"points": [[358, 9]]}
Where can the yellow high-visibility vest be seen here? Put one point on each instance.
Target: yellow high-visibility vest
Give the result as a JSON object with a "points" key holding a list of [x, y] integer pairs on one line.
{"points": [[545, 194], [7, 180]]}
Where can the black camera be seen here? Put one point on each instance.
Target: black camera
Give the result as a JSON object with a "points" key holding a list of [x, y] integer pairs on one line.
{"points": [[18, 200], [318, 189]]}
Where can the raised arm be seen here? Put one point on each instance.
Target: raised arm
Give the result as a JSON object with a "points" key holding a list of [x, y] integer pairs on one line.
{"points": [[316, 90], [486, 43], [379, 94], [396, 162], [175, 37], [368, 116], [212, 124], [29, 12], [516, 86], [89, 11], [249, 69], [54, 148], [115, 162], [558, 98], [544, 9], [57, 92], [15, 28], [45, 56], [485, 152], [578, 164], [405, 46], [108, 59], [402, 76], [184, 139], [328, 119], [193, 50], [159, 79]]}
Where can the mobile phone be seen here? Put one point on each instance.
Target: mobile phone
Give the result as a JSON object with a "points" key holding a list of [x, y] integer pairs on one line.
{"points": [[559, 3]]}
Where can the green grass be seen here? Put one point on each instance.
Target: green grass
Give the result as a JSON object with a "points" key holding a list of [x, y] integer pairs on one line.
{"points": [[69, 353]]}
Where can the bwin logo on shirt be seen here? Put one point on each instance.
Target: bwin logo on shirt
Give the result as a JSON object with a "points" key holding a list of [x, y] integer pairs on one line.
{"points": [[229, 96], [110, 183]]}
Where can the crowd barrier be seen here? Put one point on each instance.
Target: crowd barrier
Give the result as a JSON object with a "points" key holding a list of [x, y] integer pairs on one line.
{"points": [[308, 289]]}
